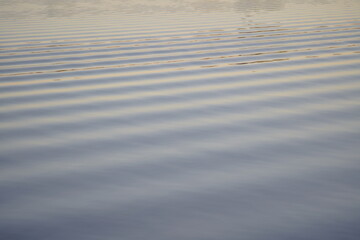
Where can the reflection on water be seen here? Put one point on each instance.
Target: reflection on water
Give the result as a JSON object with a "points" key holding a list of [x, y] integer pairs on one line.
{"points": [[181, 120], [259, 5], [52, 8]]}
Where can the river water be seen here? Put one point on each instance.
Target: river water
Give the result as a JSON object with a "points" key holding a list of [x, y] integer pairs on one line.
{"points": [[179, 120]]}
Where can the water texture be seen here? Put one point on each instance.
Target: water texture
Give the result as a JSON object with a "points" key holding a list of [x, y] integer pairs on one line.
{"points": [[179, 120]]}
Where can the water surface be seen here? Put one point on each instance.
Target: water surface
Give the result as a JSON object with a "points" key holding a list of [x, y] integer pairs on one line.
{"points": [[181, 120]]}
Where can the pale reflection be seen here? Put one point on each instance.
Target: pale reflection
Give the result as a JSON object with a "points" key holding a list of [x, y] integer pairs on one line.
{"points": [[259, 5], [66, 8], [53, 8]]}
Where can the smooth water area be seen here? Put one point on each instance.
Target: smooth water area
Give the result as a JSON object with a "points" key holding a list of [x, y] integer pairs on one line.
{"points": [[179, 120]]}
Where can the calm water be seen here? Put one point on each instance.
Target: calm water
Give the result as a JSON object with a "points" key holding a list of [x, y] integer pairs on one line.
{"points": [[179, 120]]}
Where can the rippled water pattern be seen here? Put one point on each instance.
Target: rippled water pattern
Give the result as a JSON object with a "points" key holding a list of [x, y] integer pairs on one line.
{"points": [[179, 120]]}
